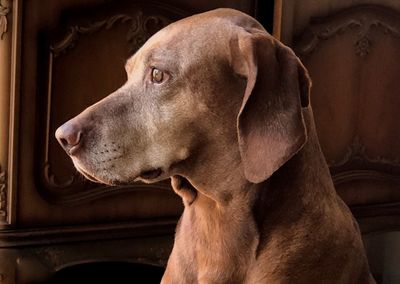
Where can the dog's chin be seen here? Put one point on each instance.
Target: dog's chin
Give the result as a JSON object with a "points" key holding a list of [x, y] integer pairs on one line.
{"points": [[88, 175], [93, 177]]}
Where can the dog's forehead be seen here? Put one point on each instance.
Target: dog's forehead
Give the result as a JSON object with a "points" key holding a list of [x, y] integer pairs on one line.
{"points": [[199, 28], [194, 33]]}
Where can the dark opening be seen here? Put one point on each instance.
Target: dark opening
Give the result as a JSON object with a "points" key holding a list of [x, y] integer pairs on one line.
{"points": [[109, 272]]}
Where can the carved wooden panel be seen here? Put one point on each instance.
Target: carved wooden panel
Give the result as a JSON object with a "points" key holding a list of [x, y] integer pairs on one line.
{"points": [[353, 58], [80, 61]]}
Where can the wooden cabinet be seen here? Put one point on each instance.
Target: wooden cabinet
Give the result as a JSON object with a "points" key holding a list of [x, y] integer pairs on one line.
{"points": [[351, 50], [56, 58]]}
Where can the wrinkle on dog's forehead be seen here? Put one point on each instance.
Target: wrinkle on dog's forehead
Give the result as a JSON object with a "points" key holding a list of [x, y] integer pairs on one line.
{"points": [[158, 56]]}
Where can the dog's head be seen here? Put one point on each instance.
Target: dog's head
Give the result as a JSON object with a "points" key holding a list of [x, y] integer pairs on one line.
{"points": [[210, 86]]}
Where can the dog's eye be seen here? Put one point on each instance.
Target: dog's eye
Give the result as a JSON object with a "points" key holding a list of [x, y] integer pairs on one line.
{"points": [[157, 76]]}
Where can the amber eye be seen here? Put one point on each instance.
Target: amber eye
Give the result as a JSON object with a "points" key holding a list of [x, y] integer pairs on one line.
{"points": [[157, 76]]}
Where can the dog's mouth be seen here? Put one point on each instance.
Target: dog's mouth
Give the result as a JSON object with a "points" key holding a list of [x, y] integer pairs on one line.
{"points": [[146, 176], [151, 174]]}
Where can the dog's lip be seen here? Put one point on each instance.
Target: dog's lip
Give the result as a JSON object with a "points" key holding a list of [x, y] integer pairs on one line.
{"points": [[90, 177], [151, 174], [87, 175]]}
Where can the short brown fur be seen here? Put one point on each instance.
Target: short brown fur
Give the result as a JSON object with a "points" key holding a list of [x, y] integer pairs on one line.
{"points": [[233, 128]]}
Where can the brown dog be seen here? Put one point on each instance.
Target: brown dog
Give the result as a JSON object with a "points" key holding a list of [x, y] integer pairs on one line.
{"points": [[217, 104]]}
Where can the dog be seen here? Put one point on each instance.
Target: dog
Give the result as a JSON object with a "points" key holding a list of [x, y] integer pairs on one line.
{"points": [[222, 108]]}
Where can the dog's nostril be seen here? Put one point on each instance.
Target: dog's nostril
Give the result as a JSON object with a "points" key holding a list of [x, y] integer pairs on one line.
{"points": [[68, 136], [70, 139], [64, 142]]}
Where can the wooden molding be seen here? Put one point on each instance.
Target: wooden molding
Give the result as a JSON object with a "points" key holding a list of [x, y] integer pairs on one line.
{"points": [[5, 46], [9, 106], [350, 175], [70, 234], [277, 26], [361, 19]]}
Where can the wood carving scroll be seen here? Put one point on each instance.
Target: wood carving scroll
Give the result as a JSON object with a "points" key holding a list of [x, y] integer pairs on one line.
{"points": [[356, 151], [4, 10], [362, 19], [141, 28], [3, 196]]}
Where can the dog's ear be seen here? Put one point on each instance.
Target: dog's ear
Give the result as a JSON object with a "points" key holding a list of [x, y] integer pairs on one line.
{"points": [[270, 123]]}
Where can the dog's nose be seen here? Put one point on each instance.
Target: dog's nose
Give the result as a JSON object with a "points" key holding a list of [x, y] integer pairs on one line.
{"points": [[69, 136]]}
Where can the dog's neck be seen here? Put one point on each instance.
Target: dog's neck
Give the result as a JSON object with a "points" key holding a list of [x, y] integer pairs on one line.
{"points": [[226, 205], [304, 182], [222, 183], [225, 184], [217, 207]]}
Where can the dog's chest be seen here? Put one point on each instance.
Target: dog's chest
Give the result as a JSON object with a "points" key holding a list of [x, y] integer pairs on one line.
{"points": [[216, 246]]}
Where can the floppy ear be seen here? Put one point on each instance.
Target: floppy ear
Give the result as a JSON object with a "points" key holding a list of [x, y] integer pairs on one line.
{"points": [[270, 123]]}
